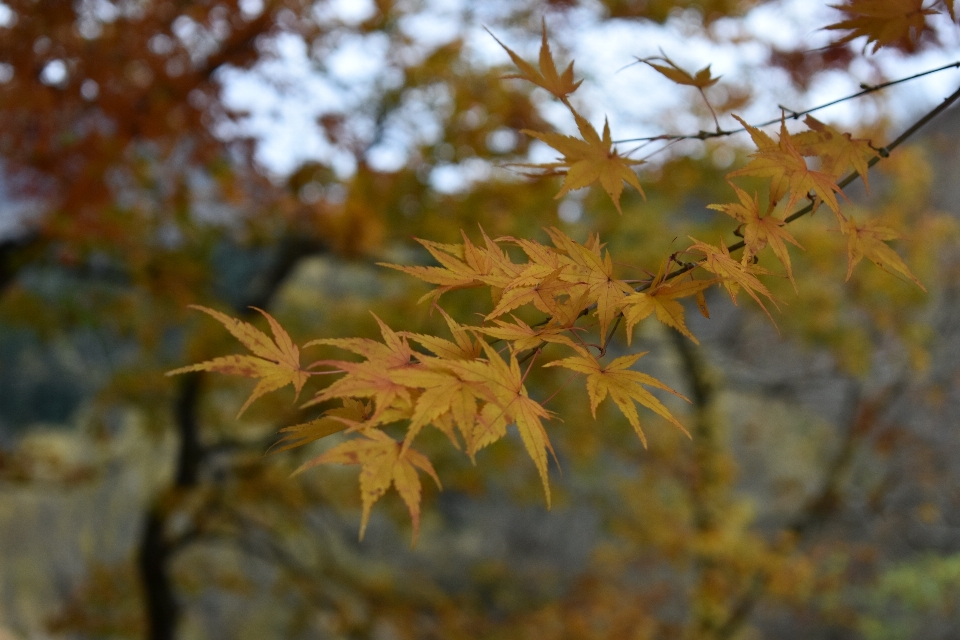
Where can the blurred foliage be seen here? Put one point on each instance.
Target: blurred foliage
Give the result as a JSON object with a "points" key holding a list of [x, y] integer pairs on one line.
{"points": [[135, 505]]}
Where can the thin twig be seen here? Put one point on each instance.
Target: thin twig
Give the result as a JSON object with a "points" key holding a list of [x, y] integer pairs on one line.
{"points": [[883, 153], [794, 115]]}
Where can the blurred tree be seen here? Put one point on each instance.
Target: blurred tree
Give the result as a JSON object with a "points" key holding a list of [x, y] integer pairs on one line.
{"points": [[139, 197]]}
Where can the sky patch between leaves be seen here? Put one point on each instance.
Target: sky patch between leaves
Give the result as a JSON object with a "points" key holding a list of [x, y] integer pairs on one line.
{"points": [[285, 96]]}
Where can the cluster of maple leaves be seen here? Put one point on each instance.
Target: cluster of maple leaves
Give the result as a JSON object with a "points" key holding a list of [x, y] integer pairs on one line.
{"points": [[471, 387]]}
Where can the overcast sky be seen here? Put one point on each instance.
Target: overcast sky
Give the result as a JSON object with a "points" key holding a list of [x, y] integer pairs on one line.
{"points": [[284, 96]]}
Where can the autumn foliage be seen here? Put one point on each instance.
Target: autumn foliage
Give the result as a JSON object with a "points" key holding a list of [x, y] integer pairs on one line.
{"points": [[561, 304]]}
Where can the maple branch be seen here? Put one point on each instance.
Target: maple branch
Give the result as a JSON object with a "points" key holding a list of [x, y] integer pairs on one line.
{"points": [[15, 253], [866, 414], [156, 548], [566, 382], [794, 115], [708, 484], [883, 153], [613, 330]]}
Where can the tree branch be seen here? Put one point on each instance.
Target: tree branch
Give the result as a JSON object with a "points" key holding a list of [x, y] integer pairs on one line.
{"points": [[156, 548], [827, 501], [794, 115]]}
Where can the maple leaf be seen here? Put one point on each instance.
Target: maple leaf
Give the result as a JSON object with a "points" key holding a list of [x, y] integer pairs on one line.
{"points": [[596, 273], [884, 22], [733, 275], [623, 385], [444, 395], [531, 287], [327, 424], [660, 299], [559, 84], [787, 170], [701, 80], [759, 231], [867, 241], [502, 384], [382, 464], [372, 378], [550, 275], [464, 266], [838, 151], [590, 160], [276, 362], [462, 349], [521, 336]]}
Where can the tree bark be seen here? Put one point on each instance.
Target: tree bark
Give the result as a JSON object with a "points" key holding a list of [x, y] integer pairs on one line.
{"points": [[156, 549], [14, 254], [708, 489]]}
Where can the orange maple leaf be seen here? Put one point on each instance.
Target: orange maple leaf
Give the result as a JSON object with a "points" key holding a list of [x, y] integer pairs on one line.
{"points": [[590, 160], [559, 84], [759, 230], [623, 385], [382, 464], [867, 241], [276, 362], [787, 170], [896, 23]]}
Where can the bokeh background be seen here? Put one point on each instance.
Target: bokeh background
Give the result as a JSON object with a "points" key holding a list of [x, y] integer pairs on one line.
{"points": [[161, 153]]}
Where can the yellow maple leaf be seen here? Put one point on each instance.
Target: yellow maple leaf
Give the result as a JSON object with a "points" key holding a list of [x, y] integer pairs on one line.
{"points": [[534, 286], [868, 241], [594, 270], [623, 385], [444, 396], [701, 79], [787, 170], [588, 160], [839, 152], [560, 85], [463, 347], [759, 230], [327, 424], [463, 266], [508, 402], [733, 274], [885, 23], [382, 464], [371, 378], [660, 299], [276, 362], [521, 336]]}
